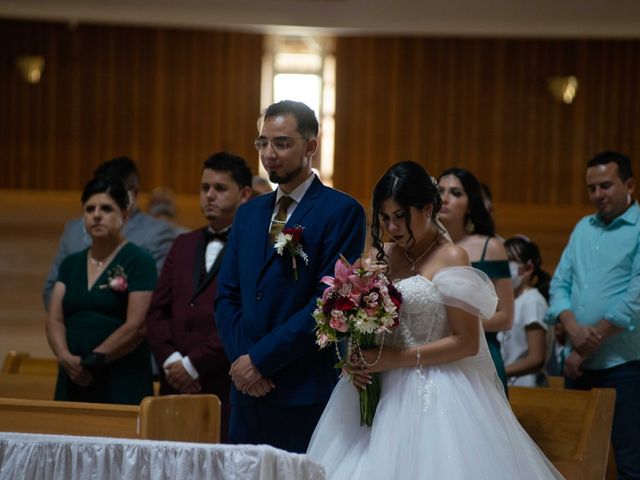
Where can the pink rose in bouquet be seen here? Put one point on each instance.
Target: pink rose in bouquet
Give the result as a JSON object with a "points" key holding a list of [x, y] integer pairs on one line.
{"points": [[360, 305]]}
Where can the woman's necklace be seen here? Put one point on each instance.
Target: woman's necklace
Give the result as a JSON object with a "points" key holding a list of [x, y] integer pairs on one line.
{"points": [[413, 262], [99, 264]]}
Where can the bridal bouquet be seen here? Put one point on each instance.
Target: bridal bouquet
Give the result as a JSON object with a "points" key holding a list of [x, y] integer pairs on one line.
{"points": [[359, 304]]}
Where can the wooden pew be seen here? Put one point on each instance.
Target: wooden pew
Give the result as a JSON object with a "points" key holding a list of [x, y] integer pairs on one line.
{"points": [[32, 387], [558, 382], [24, 376], [189, 418], [555, 381], [192, 418], [21, 362], [572, 427], [68, 418]]}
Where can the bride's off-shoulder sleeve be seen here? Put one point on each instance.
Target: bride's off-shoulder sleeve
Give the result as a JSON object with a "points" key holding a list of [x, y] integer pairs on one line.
{"points": [[467, 288]]}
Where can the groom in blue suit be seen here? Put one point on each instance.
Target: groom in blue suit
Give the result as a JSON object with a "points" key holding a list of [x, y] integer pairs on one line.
{"points": [[281, 380]]}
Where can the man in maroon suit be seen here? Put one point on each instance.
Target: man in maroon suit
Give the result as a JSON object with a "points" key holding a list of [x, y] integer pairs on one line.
{"points": [[181, 327]]}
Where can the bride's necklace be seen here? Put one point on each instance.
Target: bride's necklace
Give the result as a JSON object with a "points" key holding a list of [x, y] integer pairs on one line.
{"points": [[412, 263]]}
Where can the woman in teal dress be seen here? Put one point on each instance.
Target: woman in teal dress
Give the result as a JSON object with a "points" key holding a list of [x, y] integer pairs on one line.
{"points": [[96, 322], [470, 225]]}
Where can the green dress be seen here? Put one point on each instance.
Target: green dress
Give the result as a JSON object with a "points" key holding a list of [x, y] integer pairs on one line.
{"points": [[494, 269], [90, 316]]}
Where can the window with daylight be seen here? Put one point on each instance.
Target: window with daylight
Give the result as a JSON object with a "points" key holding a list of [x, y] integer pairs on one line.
{"points": [[303, 68]]}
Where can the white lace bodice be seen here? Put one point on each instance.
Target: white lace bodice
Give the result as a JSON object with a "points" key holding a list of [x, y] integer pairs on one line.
{"points": [[423, 316]]}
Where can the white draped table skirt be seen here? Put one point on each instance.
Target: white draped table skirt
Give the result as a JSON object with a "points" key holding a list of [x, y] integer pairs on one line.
{"points": [[48, 457]]}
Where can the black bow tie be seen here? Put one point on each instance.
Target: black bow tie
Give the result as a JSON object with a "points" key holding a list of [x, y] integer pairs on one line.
{"points": [[211, 236]]}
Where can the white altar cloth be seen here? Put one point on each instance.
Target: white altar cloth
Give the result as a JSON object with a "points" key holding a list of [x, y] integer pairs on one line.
{"points": [[28, 456]]}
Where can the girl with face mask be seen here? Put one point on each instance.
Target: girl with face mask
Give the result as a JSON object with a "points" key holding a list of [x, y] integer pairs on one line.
{"points": [[525, 347]]}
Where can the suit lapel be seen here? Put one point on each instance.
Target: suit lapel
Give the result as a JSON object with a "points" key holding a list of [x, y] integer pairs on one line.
{"points": [[198, 261], [211, 273], [305, 206]]}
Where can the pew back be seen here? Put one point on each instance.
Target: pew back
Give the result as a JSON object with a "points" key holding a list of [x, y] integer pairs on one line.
{"points": [[188, 418], [33, 387], [23, 363], [192, 418], [68, 418], [555, 381], [571, 427]]}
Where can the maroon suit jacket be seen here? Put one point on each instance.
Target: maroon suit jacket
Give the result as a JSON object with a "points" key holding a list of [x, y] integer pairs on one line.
{"points": [[181, 317]]}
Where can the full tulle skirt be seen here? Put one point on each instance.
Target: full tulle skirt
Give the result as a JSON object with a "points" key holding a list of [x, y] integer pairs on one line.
{"points": [[439, 422]]}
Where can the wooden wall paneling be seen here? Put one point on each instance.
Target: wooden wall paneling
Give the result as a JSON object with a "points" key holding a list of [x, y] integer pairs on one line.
{"points": [[484, 104], [579, 133], [168, 98], [375, 90]]}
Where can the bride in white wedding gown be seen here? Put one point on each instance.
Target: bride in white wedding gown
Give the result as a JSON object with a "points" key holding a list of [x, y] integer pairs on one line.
{"points": [[442, 412]]}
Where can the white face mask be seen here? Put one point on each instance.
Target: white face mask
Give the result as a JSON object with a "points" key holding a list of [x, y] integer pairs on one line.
{"points": [[516, 280]]}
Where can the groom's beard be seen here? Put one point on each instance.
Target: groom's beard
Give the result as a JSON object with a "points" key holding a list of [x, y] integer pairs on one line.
{"points": [[288, 177]]}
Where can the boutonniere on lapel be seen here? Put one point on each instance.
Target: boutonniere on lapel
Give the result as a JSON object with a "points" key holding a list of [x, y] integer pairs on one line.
{"points": [[116, 280], [289, 240]]}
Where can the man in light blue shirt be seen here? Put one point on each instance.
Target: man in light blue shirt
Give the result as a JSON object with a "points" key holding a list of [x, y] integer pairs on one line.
{"points": [[595, 295]]}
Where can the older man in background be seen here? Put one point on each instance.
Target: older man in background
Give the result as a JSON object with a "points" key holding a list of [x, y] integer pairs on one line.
{"points": [[595, 295]]}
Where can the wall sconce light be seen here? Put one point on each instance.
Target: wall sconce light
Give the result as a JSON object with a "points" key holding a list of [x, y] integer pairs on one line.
{"points": [[563, 89], [30, 67]]}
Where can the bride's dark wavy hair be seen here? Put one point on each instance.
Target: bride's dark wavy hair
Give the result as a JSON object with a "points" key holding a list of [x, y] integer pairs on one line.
{"points": [[409, 184]]}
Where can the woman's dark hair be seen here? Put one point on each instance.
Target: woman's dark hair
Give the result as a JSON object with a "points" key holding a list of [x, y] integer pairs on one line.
{"points": [[523, 250], [478, 213], [111, 186], [409, 184]]}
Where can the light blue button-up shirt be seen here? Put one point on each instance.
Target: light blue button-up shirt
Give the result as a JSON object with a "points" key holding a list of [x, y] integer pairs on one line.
{"points": [[598, 277]]}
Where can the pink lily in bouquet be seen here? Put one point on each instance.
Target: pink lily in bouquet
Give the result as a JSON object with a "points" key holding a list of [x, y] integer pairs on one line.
{"points": [[360, 305]]}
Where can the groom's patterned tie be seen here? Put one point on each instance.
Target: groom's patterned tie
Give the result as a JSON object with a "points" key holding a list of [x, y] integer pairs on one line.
{"points": [[277, 224]]}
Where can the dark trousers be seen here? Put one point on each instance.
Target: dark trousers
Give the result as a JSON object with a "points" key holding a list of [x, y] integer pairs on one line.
{"points": [[287, 428], [625, 435]]}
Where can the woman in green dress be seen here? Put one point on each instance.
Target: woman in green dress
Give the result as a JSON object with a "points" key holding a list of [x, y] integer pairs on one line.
{"points": [[470, 225], [96, 322]]}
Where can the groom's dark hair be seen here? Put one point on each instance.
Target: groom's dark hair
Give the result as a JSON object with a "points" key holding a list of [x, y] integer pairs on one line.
{"points": [[235, 165], [307, 121]]}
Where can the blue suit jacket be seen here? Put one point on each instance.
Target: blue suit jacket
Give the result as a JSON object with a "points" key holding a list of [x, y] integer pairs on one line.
{"points": [[262, 310]]}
